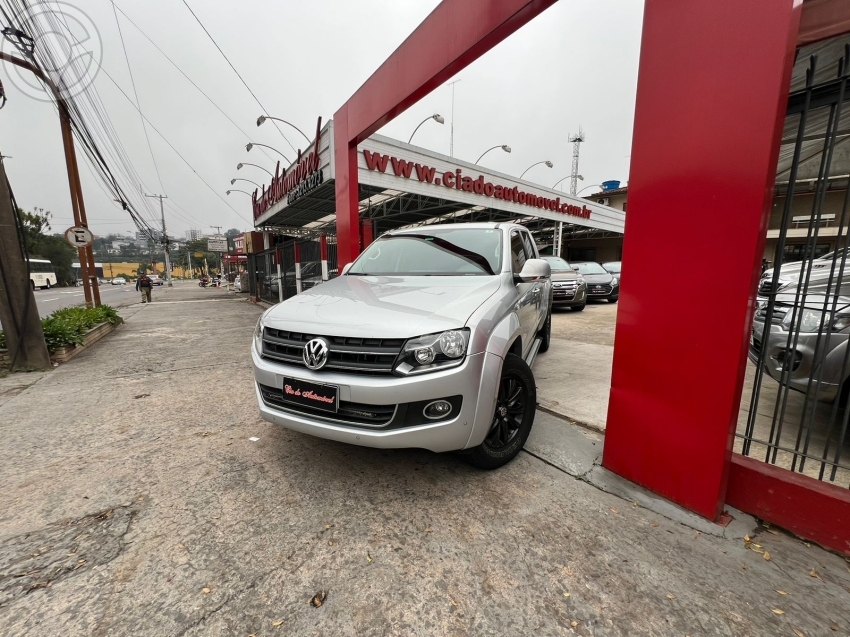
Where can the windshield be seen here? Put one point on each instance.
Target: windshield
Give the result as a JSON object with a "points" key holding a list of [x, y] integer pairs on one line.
{"points": [[612, 266], [589, 268], [557, 264], [434, 252]]}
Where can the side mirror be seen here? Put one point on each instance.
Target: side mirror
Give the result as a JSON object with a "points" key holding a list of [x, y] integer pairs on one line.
{"points": [[346, 268], [534, 270]]}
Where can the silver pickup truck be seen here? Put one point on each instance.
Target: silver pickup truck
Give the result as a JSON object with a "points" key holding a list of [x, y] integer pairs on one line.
{"points": [[425, 341]]}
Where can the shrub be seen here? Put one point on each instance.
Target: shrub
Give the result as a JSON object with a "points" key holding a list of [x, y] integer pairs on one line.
{"points": [[68, 325]]}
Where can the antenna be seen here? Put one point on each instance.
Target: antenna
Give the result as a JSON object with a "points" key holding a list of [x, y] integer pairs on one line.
{"points": [[576, 141]]}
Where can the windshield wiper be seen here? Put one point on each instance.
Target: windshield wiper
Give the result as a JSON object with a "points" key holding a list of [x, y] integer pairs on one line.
{"points": [[463, 253]]}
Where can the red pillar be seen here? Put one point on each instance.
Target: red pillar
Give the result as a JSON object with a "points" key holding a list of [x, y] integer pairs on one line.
{"points": [[711, 96], [455, 34], [367, 233]]}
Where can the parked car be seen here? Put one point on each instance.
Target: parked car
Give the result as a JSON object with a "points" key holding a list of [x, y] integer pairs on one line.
{"points": [[601, 284], [613, 267], [812, 356], [119, 280], [425, 341], [155, 279], [568, 286], [791, 272]]}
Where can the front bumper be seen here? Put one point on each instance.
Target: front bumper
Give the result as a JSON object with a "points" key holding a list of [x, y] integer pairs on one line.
{"points": [[569, 300], [604, 293], [475, 380], [805, 374]]}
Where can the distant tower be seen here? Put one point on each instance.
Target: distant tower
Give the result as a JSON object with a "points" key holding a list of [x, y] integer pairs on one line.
{"points": [[576, 141]]}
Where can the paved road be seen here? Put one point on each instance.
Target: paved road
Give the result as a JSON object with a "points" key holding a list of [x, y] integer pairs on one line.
{"points": [[137, 502], [49, 301]]}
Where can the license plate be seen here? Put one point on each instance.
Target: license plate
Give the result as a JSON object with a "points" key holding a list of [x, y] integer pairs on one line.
{"points": [[315, 395]]}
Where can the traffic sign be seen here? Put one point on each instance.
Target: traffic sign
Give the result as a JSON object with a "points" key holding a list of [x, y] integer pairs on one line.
{"points": [[199, 255], [78, 236]]}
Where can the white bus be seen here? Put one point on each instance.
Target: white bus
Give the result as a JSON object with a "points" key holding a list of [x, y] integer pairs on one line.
{"points": [[41, 274]]}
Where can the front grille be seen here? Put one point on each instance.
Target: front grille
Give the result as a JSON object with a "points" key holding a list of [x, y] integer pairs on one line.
{"points": [[347, 354], [353, 413], [594, 289], [765, 287], [564, 289]]}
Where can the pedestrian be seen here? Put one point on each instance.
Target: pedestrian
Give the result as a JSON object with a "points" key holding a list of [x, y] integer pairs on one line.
{"points": [[144, 285]]}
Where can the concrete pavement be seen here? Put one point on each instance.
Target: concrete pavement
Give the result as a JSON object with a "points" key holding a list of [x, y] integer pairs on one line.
{"points": [[574, 376], [143, 496]]}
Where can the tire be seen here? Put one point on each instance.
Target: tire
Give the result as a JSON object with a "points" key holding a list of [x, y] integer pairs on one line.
{"points": [[512, 421], [613, 299], [579, 308], [47, 284], [545, 333], [32, 283]]}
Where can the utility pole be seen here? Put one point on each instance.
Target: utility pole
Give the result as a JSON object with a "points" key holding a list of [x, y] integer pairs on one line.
{"points": [[18, 311], [164, 238], [220, 254], [452, 132], [86, 255]]}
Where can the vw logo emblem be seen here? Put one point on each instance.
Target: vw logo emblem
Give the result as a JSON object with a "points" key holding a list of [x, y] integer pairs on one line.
{"points": [[315, 353]]}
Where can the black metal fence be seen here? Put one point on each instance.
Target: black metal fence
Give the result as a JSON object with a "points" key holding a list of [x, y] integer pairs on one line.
{"points": [[796, 414], [273, 284]]}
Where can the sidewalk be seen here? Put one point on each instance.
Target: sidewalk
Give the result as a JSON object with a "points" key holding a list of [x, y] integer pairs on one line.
{"points": [[135, 502]]}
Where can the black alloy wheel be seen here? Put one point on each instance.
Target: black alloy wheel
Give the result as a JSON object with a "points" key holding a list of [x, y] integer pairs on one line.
{"points": [[516, 401]]}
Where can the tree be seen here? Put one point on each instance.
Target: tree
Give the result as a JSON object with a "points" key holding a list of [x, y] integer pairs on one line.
{"points": [[233, 232], [54, 248], [34, 225]]}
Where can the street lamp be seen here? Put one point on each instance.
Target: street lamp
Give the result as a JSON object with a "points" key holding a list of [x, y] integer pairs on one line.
{"points": [[263, 118], [586, 187], [548, 163], [233, 181], [436, 117], [239, 167], [250, 145], [504, 147], [244, 191], [579, 177]]}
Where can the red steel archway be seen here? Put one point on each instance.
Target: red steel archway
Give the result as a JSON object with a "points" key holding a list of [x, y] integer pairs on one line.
{"points": [[712, 89]]}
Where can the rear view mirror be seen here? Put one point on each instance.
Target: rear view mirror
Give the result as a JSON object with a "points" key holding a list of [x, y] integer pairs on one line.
{"points": [[534, 270]]}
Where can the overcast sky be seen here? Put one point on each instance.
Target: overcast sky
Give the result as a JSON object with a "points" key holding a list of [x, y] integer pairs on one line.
{"points": [[575, 65]]}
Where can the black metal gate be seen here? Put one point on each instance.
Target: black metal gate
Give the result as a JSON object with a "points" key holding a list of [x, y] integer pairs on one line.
{"points": [[797, 413], [273, 284]]}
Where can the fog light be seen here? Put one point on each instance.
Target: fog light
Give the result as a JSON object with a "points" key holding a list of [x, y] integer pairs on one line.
{"points": [[425, 355], [437, 409]]}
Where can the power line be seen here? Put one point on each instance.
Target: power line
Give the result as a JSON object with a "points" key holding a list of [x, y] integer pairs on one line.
{"points": [[170, 144], [192, 82], [237, 75], [136, 94]]}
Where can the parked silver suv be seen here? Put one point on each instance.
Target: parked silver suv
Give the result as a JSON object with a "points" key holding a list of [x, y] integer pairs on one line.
{"points": [[425, 341]]}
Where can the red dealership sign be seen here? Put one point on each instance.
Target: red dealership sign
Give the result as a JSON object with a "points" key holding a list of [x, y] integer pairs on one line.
{"points": [[456, 180], [305, 176]]}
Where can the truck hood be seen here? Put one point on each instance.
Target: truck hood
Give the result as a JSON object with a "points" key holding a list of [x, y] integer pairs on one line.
{"points": [[572, 275], [598, 278], [384, 306]]}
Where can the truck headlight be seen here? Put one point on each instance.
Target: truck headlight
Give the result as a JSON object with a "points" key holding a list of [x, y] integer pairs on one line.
{"points": [[808, 321], [258, 335], [433, 352]]}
